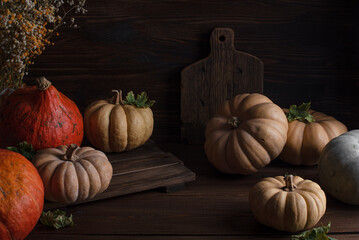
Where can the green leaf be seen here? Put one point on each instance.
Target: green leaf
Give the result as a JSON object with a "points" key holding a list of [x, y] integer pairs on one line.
{"points": [[24, 149], [130, 98], [319, 233], [56, 219], [141, 101], [300, 113]]}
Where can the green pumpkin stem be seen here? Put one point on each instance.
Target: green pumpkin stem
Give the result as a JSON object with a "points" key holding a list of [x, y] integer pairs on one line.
{"points": [[117, 99], [70, 154], [234, 122], [42, 83], [289, 184]]}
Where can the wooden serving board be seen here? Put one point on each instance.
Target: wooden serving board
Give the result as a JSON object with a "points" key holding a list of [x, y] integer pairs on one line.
{"points": [[145, 168], [207, 83]]}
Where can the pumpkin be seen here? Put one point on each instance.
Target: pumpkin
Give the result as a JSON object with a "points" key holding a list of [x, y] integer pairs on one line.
{"points": [[287, 203], [72, 173], [21, 196], [7, 91], [245, 134], [339, 167], [41, 116], [308, 132], [114, 125]]}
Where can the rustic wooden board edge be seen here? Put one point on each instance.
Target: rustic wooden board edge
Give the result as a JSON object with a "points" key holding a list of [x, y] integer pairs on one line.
{"points": [[154, 178]]}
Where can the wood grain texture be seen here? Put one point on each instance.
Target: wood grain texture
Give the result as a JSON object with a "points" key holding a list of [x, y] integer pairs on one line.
{"points": [[214, 205], [309, 50], [151, 237], [144, 168], [209, 82]]}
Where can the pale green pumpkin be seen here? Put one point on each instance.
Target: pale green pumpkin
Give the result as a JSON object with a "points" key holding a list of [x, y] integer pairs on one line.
{"points": [[339, 167]]}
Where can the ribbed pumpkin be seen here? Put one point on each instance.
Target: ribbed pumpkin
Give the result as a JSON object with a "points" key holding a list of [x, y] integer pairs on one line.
{"points": [[21, 196], [246, 134], [114, 126], [307, 137], [40, 115], [287, 203], [72, 174]]}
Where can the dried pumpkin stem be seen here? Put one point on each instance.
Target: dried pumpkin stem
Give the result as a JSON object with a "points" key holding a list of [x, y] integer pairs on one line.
{"points": [[117, 99], [289, 184], [234, 122], [42, 83], [70, 154]]}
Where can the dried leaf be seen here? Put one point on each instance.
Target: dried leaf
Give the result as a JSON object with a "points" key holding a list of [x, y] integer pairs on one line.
{"points": [[56, 219], [300, 113], [24, 149], [319, 233]]}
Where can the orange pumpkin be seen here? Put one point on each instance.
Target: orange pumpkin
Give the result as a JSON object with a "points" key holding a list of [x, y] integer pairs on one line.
{"points": [[21, 196], [6, 92], [246, 134], [40, 115], [308, 135]]}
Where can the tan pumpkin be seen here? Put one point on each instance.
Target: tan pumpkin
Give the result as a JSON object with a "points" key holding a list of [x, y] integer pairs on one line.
{"points": [[72, 174], [246, 134], [287, 203], [306, 139], [114, 125]]}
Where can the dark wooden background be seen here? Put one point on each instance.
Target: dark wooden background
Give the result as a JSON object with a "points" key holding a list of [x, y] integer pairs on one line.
{"points": [[309, 49]]}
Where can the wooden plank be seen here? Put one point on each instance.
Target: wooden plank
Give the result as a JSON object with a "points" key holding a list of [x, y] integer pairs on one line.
{"points": [[161, 214], [308, 48], [158, 237], [141, 169], [214, 205], [207, 83]]}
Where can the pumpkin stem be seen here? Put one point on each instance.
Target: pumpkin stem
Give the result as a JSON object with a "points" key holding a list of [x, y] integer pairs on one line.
{"points": [[70, 154], [117, 99], [42, 83], [289, 184], [234, 122]]}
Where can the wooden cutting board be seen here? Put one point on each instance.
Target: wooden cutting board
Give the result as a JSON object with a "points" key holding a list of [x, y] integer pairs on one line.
{"points": [[145, 168], [207, 83]]}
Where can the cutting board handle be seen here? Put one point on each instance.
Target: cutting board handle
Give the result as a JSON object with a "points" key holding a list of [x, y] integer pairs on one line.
{"points": [[222, 38]]}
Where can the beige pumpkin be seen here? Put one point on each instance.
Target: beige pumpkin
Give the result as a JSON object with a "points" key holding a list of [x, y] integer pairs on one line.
{"points": [[73, 173], [306, 139], [246, 134], [114, 125], [287, 203]]}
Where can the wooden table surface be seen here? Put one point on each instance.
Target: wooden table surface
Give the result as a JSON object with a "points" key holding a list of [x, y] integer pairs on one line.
{"points": [[214, 206]]}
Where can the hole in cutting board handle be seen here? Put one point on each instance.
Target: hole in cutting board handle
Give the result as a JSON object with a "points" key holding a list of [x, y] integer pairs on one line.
{"points": [[222, 38]]}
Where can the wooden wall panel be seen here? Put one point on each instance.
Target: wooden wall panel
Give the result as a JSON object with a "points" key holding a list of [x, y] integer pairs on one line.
{"points": [[309, 50]]}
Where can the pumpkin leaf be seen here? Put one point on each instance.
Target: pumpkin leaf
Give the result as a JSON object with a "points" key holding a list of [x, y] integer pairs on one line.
{"points": [[24, 149], [319, 233], [141, 101], [130, 98], [300, 113], [56, 219]]}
